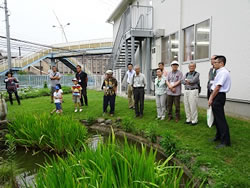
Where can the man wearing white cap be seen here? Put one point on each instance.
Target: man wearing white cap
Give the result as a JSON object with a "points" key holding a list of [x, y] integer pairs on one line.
{"points": [[110, 87], [174, 90]]}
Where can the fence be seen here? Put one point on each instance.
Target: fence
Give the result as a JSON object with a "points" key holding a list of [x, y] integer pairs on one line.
{"points": [[34, 81]]}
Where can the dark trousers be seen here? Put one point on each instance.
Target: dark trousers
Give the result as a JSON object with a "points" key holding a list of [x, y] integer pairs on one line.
{"points": [[208, 93], [176, 101], [222, 129], [84, 95], [139, 100], [109, 100], [11, 99]]}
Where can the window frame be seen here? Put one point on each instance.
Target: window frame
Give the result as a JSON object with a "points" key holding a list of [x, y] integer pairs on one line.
{"points": [[195, 42], [169, 50]]}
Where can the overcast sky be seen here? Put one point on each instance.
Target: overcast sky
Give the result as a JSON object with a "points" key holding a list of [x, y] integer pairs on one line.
{"points": [[33, 19]]}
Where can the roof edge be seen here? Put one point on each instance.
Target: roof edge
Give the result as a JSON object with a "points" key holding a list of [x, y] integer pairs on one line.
{"points": [[118, 10]]}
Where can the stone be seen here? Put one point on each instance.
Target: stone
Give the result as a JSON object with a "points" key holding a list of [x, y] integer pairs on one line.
{"points": [[100, 120], [108, 121], [102, 124]]}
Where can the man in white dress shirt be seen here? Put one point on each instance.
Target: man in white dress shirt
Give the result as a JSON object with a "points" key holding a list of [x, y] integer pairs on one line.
{"points": [[221, 86], [128, 78], [138, 83]]}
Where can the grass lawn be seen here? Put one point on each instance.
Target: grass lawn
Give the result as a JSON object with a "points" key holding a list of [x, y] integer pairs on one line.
{"points": [[226, 167]]}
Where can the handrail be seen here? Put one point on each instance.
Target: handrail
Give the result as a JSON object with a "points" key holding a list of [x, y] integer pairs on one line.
{"points": [[130, 19]]}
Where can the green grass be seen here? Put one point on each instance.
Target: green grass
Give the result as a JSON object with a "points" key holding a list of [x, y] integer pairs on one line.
{"points": [[110, 165], [227, 167], [46, 132]]}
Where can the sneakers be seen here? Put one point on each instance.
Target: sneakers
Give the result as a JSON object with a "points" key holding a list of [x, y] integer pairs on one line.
{"points": [[80, 110], [157, 118], [76, 110], [162, 118]]}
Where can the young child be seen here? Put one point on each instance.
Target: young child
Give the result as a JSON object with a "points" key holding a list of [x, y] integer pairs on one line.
{"points": [[58, 100], [76, 94]]}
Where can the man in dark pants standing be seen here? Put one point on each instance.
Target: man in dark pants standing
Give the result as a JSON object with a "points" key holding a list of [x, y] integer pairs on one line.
{"points": [[217, 99], [110, 88], [138, 83], [82, 78], [211, 76]]}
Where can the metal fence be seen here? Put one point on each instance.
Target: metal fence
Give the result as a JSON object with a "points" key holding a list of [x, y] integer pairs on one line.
{"points": [[35, 81]]}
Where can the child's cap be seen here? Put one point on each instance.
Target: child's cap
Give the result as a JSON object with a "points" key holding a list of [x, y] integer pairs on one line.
{"points": [[74, 79], [57, 88]]}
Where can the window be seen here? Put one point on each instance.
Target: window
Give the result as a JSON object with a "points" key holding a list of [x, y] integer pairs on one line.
{"points": [[164, 50], [189, 43], [196, 41], [202, 40], [174, 47], [170, 48]]}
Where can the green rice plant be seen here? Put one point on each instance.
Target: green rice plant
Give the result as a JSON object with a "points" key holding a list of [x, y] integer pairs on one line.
{"points": [[110, 165], [168, 142], [91, 119], [8, 168], [128, 125], [45, 132], [151, 132]]}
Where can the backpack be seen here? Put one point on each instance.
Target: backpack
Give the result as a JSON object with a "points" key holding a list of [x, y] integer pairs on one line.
{"points": [[199, 85]]}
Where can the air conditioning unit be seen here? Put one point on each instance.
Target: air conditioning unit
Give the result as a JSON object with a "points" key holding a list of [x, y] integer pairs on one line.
{"points": [[159, 33]]}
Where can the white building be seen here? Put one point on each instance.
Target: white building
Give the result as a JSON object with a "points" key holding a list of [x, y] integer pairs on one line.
{"points": [[147, 32]]}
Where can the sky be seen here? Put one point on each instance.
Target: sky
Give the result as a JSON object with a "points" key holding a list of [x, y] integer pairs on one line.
{"points": [[32, 20]]}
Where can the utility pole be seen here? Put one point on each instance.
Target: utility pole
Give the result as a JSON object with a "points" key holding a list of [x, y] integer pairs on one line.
{"points": [[7, 34]]}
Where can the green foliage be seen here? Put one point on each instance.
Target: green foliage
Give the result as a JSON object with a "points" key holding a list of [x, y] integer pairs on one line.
{"points": [[8, 168], [110, 165], [128, 125], [57, 133], [91, 119], [22, 72], [168, 142], [25, 93], [194, 149], [45, 84], [151, 131]]}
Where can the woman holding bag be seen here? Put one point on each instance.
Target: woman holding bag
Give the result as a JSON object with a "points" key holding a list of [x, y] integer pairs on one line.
{"points": [[11, 86]]}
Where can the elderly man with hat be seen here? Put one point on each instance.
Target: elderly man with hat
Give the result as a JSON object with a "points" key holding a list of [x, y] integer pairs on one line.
{"points": [[173, 80], [109, 87]]}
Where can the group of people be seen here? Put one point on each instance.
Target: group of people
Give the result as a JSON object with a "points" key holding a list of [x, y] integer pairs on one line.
{"points": [[168, 89], [79, 89]]}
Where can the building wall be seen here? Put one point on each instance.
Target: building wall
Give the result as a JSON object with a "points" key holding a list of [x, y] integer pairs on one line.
{"points": [[230, 30]]}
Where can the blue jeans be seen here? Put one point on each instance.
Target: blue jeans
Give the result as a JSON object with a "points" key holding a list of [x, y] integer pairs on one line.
{"points": [[58, 106]]}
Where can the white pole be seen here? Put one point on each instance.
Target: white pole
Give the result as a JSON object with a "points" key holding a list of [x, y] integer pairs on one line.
{"points": [[7, 33]]}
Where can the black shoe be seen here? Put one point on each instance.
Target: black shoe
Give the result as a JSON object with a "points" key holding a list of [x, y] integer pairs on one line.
{"points": [[194, 124], [222, 146], [137, 115], [187, 122], [214, 140]]}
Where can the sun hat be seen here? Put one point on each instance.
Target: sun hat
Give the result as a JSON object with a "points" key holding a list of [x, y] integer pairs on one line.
{"points": [[74, 79], [109, 72], [175, 63]]}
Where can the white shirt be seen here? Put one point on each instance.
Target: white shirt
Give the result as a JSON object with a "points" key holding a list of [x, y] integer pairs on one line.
{"points": [[139, 80], [130, 75], [58, 95], [223, 79]]}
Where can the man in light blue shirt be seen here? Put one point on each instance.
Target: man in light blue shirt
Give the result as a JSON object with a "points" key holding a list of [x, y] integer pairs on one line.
{"points": [[221, 86]]}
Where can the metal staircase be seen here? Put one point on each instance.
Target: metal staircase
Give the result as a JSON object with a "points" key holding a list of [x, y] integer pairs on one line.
{"points": [[135, 26]]}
